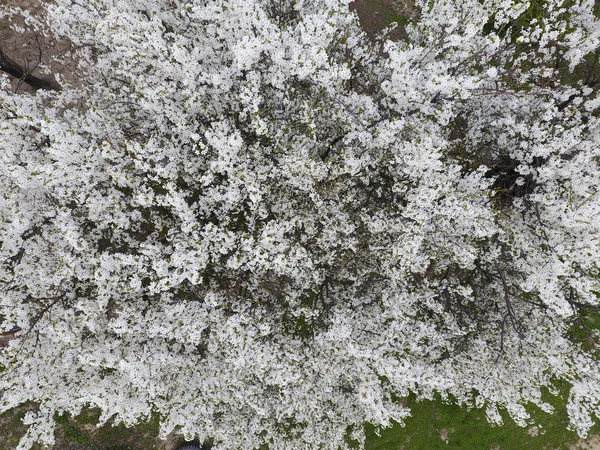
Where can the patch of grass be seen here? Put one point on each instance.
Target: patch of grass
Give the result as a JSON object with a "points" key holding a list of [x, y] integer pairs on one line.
{"points": [[88, 416], [394, 17], [70, 431], [436, 425], [143, 436], [11, 427], [585, 330], [433, 425], [81, 433]]}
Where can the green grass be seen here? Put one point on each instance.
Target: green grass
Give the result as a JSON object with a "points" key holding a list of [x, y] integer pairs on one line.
{"points": [[463, 429], [81, 433], [11, 427], [430, 421]]}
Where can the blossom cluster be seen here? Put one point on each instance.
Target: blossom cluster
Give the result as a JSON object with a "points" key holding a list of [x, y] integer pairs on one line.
{"points": [[266, 227]]}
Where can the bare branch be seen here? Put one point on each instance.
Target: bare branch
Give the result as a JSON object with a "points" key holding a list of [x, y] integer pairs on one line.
{"points": [[9, 66]]}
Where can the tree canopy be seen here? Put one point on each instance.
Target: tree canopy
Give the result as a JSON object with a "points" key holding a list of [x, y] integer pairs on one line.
{"points": [[252, 219]]}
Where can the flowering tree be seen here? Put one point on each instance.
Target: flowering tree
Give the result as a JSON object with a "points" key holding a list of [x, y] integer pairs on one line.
{"points": [[252, 220]]}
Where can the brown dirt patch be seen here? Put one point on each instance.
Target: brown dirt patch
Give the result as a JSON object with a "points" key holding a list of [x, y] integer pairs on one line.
{"points": [[375, 15], [591, 443], [38, 52]]}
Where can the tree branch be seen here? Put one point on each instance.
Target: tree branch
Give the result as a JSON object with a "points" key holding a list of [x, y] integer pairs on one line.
{"points": [[11, 67]]}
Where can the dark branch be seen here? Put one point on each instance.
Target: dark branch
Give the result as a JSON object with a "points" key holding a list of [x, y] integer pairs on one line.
{"points": [[11, 67]]}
